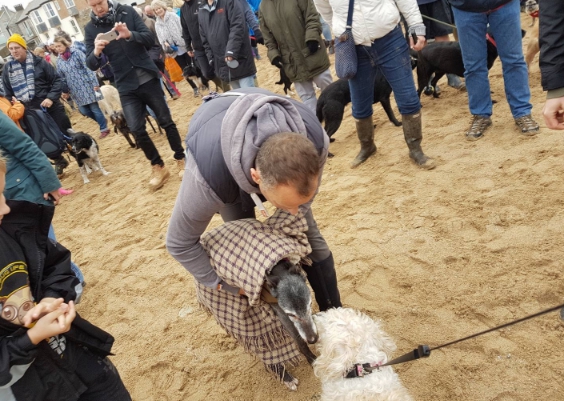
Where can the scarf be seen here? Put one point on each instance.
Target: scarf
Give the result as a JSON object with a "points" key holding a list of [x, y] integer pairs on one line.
{"points": [[108, 19], [23, 83], [242, 252], [250, 121], [66, 54]]}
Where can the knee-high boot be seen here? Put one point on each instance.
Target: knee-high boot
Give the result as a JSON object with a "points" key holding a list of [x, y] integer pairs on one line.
{"points": [[365, 132], [323, 280], [412, 132]]}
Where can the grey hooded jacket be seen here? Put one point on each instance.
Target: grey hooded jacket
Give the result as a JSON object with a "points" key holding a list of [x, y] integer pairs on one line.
{"points": [[221, 147]]}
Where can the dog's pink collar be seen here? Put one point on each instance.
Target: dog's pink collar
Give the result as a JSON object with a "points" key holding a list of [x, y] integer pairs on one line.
{"points": [[362, 369]]}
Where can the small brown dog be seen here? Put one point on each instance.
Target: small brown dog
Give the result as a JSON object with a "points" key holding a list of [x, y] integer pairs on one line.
{"points": [[532, 9]]}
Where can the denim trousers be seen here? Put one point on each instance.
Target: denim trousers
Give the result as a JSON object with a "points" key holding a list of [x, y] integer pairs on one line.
{"points": [[134, 107], [93, 111], [248, 82], [390, 54], [75, 269], [505, 27]]}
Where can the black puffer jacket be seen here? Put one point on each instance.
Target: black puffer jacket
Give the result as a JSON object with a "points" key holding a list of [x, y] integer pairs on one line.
{"points": [[552, 43], [124, 55], [23, 237], [190, 25], [48, 84], [478, 6], [224, 33]]}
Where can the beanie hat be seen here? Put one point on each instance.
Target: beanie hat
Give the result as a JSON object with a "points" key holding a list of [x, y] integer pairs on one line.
{"points": [[16, 38]]}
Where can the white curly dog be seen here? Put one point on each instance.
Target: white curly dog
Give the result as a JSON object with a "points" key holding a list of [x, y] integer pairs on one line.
{"points": [[348, 337]]}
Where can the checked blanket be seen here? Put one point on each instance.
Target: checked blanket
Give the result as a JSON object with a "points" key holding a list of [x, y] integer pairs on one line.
{"points": [[242, 252]]}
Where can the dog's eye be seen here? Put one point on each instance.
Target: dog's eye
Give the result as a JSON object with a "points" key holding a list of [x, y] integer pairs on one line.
{"points": [[292, 316]]}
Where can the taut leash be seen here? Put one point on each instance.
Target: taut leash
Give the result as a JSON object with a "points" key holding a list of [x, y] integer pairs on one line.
{"points": [[424, 351]]}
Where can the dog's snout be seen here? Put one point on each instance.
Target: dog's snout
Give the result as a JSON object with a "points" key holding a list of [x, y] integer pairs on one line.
{"points": [[312, 339]]}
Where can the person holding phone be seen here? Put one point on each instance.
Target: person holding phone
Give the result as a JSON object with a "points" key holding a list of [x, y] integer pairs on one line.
{"points": [[136, 78]]}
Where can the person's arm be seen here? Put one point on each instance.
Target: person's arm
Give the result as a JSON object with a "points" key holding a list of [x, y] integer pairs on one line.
{"points": [[18, 145], [160, 29], [410, 11], [311, 20], [8, 91], [16, 111], [273, 53], [92, 61], [137, 33], [195, 206], [185, 32], [16, 350], [237, 29], [324, 9], [250, 17], [204, 37]]}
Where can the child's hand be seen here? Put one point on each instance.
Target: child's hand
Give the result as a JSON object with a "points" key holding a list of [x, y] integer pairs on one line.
{"points": [[52, 324], [47, 305]]}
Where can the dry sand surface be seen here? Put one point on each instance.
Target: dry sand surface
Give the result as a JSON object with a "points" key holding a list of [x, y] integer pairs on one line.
{"points": [[436, 255]]}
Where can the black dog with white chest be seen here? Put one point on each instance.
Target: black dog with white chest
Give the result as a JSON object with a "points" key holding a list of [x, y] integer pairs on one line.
{"points": [[85, 150], [193, 73]]}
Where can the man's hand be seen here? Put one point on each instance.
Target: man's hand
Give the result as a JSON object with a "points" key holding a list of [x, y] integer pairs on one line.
{"points": [[121, 29], [99, 45], [54, 194], [47, 305], [277, 62], [259, 38], [313, 46], [553, 113], [191, 53], [228, 58], [47, 103], [54, 323], [421, 42]]}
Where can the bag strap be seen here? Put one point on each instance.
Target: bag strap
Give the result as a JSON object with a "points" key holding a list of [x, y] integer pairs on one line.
{"points": [[350, 16]]}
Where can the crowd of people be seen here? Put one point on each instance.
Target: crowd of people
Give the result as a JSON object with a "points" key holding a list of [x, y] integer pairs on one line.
{"points": [[242, 148]]}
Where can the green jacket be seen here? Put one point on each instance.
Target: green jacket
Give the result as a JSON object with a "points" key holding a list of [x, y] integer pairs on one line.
{"points": [[286, 26], [30, 174]]}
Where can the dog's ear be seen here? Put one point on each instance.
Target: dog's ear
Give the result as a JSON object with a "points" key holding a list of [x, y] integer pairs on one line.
{"points": [[296, 269], [272, 281]]}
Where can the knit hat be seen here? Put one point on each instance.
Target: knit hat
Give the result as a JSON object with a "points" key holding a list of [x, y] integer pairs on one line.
{"points": [[16, 38]]}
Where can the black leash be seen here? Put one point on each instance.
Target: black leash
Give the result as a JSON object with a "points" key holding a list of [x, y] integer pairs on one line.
{"points": [[424, 351]]}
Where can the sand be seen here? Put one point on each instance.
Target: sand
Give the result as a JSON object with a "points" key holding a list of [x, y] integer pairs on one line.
{"points": [[436, 255]]}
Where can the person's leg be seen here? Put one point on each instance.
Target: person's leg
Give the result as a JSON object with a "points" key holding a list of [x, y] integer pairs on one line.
{"points": [[324, 79], [505, 27], [202, 62], [57, 112], [362, 97], [325, 29], [152, 94], [79, 288], [321, 274], [99, 118], [247, 82], [306, 92], [471, 35], [392, 56], [86, 112]]}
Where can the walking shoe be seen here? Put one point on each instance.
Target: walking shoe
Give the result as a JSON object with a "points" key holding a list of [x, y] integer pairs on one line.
{"points": [[196, 92], [478, 126], [175, 96], [159, 177], [104, 133], [527, 125], [181, 164]]}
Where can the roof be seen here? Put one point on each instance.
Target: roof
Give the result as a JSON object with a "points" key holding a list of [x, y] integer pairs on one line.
{"points": [[33, 5]]}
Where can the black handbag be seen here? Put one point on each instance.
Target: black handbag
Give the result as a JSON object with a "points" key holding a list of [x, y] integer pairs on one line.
{"points": [[346, 61]]}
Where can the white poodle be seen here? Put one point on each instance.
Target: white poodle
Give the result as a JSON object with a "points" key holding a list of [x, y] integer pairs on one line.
{"points": [[348, 337]]}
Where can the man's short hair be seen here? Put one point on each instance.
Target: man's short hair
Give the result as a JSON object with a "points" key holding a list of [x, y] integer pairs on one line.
{"points": [[289, 159]]}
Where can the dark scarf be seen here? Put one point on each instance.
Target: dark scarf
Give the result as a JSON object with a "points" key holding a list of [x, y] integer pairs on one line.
{"points": [[108, 19]]}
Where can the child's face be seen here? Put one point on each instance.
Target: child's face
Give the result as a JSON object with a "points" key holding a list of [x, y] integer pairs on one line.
{"points": [[4, 209]]}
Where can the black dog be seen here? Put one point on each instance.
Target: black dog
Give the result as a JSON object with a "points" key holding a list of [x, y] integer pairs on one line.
{"points": [[120, 124], [284, 80], [332, 101], [85, 150], [443, 58], [193, 73]]}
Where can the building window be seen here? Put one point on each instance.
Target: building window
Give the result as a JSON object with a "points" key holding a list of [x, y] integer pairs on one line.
{"points": [[27, 29], [69, 3], [49, 10], [36, 18], [57, 6], [74, 26]]}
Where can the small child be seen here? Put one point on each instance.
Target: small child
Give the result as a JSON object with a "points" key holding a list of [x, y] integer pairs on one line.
{"points": [[47, 351]]}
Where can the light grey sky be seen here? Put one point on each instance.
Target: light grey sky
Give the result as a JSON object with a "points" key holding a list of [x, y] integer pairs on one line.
{"points": [[12, 3]]}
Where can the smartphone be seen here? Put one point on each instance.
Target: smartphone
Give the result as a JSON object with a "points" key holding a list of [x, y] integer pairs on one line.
{"points": [[109, 36]]}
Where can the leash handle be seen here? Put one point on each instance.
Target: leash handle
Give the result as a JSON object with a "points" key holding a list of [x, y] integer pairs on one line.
{"points": [[422, 351]]}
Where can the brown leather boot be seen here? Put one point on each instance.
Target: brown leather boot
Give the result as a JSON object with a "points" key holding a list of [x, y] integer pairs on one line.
{"points": [[159, 177], [365, 132]]}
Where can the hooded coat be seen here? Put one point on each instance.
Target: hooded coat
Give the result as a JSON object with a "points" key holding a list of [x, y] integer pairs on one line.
{"points": [[224, 33], [286, 26], [223, 139]]}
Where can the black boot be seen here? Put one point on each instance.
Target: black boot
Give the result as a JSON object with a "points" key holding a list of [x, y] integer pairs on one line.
{"points": [[365, 132], [411, 124], [323, 280]]}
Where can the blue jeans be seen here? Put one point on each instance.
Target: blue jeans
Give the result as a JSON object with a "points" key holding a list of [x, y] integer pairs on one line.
{"points": [[75, 269], [325, 29], [390, 53], [93, 111], [505, 27], [248, 82]]}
